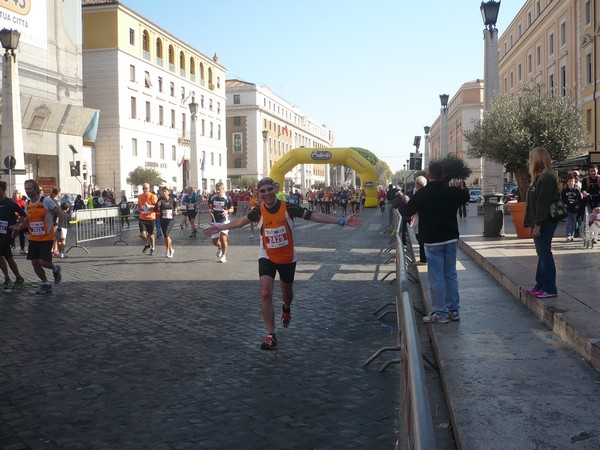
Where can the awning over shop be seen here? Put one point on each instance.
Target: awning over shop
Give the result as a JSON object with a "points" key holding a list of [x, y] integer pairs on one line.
{"points": [[576, 163], [45, 115]]}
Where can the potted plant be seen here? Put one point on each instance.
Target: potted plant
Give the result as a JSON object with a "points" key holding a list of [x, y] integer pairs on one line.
{"points": [[515, 124]]}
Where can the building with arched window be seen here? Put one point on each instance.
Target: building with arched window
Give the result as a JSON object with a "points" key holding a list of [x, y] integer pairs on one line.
{"points": [[144, 100]]}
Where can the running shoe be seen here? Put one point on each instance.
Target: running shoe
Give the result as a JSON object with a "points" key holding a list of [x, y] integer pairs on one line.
{"points": [[542, 294], [57, 274], [18, 282], [453, 315], [151, 251], [172, 253], [167, 253], [8, 284], [286, 316], [146, 247], [270, 343], [435, 318], [533, 291], [45, 288], [219, 252], [223, 259]]}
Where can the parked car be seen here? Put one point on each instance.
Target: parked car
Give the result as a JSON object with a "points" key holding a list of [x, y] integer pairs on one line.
{"points": [[474, 195], [512, 195]]}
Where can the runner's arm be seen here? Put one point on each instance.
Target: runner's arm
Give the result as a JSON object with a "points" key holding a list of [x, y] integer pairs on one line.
{"points": [[215, 228]]}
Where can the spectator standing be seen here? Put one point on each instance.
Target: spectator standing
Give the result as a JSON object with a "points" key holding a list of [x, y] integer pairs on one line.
{"points": [[542, 192], [437, 204], [571, 197], [462, 209], [420, 182]]}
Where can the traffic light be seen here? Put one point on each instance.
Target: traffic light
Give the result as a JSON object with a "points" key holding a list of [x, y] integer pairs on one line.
{"points": [[75, 167]]}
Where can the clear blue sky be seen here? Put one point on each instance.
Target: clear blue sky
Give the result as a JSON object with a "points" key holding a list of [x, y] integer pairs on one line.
{"points": [[372, 71]]}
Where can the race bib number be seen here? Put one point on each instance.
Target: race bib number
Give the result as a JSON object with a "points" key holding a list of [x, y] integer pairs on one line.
{"points": [[145, 209], [218, 206], [276, 237], [37, 228], [3, 226], [191, 205], [167, 213]]}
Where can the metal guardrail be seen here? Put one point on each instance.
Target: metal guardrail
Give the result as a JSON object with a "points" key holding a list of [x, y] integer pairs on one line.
{"points": [[416, 423], [94, 224]]}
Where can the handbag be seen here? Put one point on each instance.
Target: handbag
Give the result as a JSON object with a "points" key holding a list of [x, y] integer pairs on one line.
{"points": [[558, 210]]}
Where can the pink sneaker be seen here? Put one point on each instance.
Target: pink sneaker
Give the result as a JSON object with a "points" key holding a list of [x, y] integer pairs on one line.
{"points": [[542, 294], [534, 291]]}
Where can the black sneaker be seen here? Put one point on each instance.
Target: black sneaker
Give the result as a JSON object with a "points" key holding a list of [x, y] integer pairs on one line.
{"points": [[286, 316], [8, 284], [146, 247], [18, 283], [270, 343], [151, 251]]}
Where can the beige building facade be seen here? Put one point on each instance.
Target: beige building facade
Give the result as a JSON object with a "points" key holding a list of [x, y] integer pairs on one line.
{"points": [[142, 78], [53, 119], [262, 127], [464, 108], [554, 43]]}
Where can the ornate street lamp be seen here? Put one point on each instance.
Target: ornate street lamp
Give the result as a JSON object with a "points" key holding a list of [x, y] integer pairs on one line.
{"points": [[265, 135], [10, 41], [489, 12], [194, 180], [492, 173], [444, 126], [426, 147]]}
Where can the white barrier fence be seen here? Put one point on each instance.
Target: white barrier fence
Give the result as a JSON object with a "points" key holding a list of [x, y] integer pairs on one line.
{"points": [[95, 224]]}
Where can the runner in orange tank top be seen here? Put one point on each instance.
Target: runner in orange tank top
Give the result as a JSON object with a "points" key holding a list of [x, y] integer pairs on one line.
{"points": [[277, 251]]}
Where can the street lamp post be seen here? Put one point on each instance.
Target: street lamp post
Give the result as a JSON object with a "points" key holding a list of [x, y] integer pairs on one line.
{"points": [[492, 176], [444, 130], [426, 147], [265, 135], [12, 131], [194, 181]]}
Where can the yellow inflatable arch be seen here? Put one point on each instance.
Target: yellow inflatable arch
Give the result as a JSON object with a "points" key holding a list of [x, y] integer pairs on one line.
{"points": [[346, 156]]}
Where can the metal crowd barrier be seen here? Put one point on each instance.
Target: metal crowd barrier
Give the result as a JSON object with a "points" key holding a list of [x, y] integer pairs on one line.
{"points": [[242, 208], [95, 224], [416, 424]]}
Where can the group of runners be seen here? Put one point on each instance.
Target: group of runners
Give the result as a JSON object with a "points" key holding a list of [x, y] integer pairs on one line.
{"points": [[336, 200]]}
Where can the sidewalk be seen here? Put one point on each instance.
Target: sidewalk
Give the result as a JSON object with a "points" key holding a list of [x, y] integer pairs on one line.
{"points": [[575, 314], [509, 382]]}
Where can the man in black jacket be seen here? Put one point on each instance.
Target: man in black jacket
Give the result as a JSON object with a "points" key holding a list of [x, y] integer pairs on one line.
{"points": [[437, 204]]}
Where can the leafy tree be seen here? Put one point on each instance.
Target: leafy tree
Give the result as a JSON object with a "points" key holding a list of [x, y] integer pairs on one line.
{"points": [[247, 182], [515, 124], [384, 173], [141, 175], [368, 155], [455, 168]]}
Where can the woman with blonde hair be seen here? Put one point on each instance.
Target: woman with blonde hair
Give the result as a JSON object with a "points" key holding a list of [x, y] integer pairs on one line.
{"points": [[542, 192]]}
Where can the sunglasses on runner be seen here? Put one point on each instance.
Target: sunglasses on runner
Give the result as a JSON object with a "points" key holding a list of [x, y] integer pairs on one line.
{"points": [[264, 191]]}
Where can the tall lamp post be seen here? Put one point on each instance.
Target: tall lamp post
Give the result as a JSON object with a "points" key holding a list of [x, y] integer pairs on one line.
{"points": [[12, 131], [426, 147], [265, 135], [444, 131], [194, 181], [492, 176]]}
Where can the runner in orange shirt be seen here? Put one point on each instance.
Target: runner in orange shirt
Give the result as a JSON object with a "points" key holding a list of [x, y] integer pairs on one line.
{"points": [[146, 202], [40, 212], [277, 252]]}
